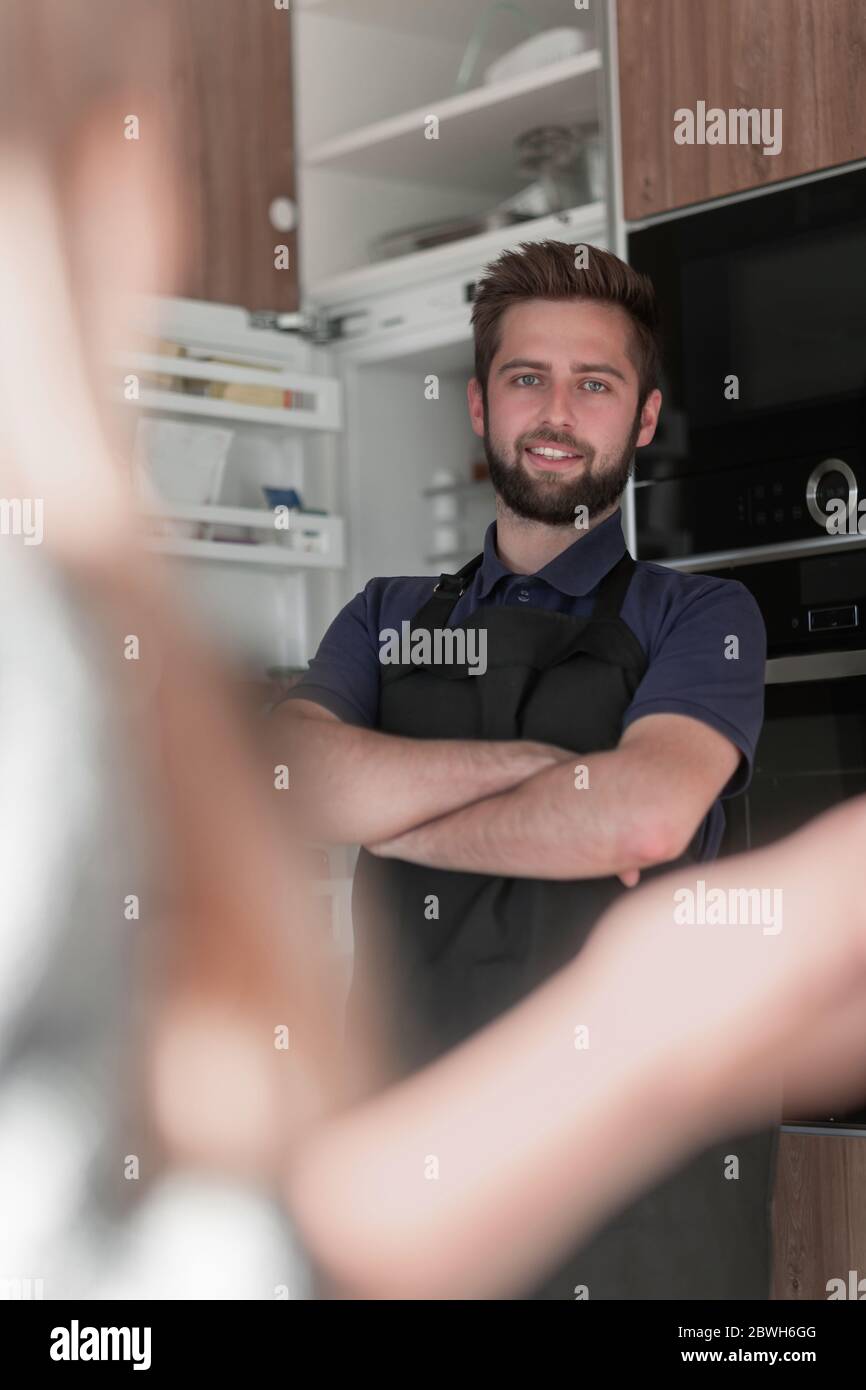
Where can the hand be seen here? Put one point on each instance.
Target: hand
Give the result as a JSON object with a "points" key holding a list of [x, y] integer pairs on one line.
{"points": [[538, 757], [728, 1014], [548, 755], [410, 845]]}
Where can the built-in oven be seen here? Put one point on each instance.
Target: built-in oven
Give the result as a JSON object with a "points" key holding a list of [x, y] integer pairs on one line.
{"points": [[757, 471], [762, 430], [811, 754]]}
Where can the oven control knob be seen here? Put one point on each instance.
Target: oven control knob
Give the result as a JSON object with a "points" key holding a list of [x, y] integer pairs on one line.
{"points": [[830, 480]]}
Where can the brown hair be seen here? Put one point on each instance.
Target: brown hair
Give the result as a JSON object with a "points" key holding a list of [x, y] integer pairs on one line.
{"points": [[546, 270]]}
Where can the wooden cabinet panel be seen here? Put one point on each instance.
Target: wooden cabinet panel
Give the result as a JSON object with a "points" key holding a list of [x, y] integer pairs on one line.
{"points": [[230, 92], [819, 1214], [806, 57]]}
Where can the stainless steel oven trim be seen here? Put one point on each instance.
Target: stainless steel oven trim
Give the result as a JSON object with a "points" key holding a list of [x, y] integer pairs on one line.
{"points": [[835, 1129], [815, 666], [761, 554]]}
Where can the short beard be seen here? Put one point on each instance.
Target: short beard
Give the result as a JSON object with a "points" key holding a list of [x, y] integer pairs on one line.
{"points": [[547, 498]]}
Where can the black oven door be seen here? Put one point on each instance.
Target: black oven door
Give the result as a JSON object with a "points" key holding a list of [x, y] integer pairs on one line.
{"points": [[811, 756], [763, 306]]}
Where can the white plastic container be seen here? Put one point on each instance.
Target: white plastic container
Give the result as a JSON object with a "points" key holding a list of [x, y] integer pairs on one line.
{"points": [[180, 462]]}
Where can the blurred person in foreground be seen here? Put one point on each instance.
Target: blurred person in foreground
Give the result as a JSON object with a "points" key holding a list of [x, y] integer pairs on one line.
{"points": [[152, 1039]]}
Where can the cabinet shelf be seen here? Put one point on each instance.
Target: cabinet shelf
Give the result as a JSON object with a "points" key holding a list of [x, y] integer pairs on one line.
{"points": [[323, 392], [275, 555], [477, 129], [228, 552], [587, 222]]}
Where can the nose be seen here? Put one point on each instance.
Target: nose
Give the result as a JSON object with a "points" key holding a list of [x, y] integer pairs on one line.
{"points": [[561, 414]]}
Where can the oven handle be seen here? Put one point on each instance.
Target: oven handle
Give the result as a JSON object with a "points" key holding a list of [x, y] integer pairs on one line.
{"points": [[815, 666]]}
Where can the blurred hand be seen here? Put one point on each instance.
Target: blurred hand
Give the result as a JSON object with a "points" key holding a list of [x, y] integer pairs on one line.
{"points": [[236, 957], [731, 1013]]}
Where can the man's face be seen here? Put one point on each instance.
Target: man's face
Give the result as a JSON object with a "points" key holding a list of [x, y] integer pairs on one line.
{"points": [[563, 379]]}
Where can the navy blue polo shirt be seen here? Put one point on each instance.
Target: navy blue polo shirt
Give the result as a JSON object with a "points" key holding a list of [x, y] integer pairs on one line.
{"points": [[683, 622]]}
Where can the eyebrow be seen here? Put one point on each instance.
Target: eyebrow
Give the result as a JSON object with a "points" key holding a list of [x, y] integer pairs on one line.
{"points": [[603, 368]]}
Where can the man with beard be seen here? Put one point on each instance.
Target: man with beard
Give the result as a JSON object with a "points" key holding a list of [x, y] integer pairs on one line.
{"points": [[500, 813]]}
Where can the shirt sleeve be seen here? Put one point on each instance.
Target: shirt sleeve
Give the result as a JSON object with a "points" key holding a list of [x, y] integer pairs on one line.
{"points": [[344, 674], [710, 664]]}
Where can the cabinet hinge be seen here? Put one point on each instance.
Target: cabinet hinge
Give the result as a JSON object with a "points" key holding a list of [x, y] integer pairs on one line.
{"points": [[316, 327]]}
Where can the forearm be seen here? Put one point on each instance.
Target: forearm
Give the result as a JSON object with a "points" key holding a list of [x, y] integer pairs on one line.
{"points": [[468, 1179], [547, 827], [359, 786]]}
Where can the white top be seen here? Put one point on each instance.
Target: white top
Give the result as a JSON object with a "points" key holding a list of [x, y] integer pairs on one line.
{"points": [[72, 1224]]}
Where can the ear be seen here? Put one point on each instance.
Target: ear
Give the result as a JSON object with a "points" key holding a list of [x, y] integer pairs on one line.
{"points": [[649, 418], [476, 406]]}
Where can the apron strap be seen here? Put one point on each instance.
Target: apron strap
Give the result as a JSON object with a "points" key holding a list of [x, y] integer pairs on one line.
{"points": [[613, 588], [437, 610]]}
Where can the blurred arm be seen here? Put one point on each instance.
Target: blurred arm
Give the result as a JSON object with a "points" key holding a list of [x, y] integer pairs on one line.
{"points": [[473, 1177], [467, 1180]]}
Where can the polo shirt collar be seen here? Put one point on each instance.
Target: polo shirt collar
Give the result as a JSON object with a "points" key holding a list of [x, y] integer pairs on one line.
{"points": [[575, 571]]}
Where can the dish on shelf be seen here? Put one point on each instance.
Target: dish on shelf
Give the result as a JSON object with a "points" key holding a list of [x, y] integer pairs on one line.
{"points": [[177, 462]]}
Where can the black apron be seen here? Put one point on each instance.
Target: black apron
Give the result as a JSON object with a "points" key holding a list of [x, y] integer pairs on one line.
{"points": [[450, 951]]}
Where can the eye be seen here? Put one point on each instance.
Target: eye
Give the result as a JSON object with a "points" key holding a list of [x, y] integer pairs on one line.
{"points": [[602, 384], [527, 376]]}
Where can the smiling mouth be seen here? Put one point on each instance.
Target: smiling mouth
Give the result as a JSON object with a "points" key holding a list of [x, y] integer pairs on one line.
{"points": [[553, 459]]}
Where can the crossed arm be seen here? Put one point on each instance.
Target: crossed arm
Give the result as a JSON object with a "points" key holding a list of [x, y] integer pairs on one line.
{"points": [[511, 807]]}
